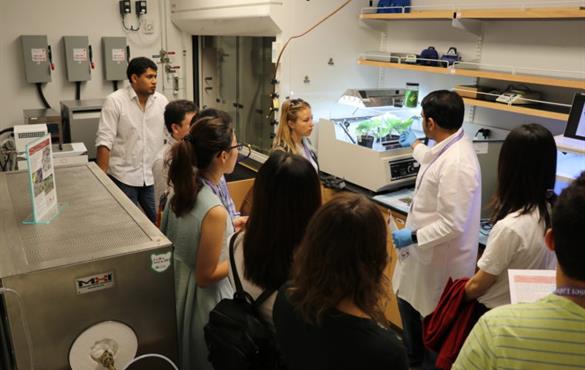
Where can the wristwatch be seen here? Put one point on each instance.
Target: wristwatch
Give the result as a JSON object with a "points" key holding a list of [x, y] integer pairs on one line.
{"points": [[413, 236]]}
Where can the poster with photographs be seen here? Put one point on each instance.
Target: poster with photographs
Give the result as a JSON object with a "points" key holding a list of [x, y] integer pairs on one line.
{"points": [[42, 179]]}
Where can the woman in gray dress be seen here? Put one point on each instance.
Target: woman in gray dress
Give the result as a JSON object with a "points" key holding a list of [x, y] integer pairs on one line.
{"points": [[198, 225]]}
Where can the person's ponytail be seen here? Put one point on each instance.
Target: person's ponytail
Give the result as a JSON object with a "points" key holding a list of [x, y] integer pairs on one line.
{"points": [[182, 177], [207, 138]]}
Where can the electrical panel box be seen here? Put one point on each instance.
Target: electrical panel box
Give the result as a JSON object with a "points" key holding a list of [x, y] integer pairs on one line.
{"points": [[125, 7], [115, 58], [37, 65], [77, 58], [140, 7]]}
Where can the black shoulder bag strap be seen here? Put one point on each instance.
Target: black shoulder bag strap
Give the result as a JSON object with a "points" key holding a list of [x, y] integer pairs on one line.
{"points": [[240, 292]]}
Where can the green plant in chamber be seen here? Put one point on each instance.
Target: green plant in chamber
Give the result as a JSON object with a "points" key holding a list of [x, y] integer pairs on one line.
{"points": [[383, 125]]}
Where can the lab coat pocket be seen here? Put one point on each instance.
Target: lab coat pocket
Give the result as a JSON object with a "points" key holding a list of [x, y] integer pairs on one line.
{"points": [[423, 256], [425, 199]]}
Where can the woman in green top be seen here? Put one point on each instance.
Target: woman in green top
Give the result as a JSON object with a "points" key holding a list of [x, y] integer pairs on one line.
{"points": [[198, 225]]}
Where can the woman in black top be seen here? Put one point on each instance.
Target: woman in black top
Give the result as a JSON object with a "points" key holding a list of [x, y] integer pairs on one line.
{"points": [[329, 315]]}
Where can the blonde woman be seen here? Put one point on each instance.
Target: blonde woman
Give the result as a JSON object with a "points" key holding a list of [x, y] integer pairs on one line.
{"points": [[294, 128]]}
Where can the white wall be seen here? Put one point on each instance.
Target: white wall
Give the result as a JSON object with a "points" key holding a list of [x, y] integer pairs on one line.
{"points": [[95, 19], [342, 38], [551, 45]]}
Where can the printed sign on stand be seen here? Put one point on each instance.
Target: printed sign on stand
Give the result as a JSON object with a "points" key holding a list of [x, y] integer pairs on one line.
{"points": [[41, 175]]}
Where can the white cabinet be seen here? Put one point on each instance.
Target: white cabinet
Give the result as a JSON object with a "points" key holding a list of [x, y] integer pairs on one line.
{"points": [[228, 17]]}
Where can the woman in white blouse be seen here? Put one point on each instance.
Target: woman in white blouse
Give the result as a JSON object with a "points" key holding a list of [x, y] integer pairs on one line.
{"points": [[521, 214]]}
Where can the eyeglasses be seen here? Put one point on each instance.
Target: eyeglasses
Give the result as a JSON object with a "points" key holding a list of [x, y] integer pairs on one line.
{"points": [[244, 150]]}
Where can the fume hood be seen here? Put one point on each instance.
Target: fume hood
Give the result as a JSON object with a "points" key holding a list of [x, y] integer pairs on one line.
{"points": [[228, 17]]}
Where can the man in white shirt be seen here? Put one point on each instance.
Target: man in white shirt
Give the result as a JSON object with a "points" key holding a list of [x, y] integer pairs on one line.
{"points": [[131, 132], [441, 235], [178, 115]]}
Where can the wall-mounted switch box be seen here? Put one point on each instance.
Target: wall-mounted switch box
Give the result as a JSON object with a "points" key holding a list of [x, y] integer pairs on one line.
{"points": [[77, 58], [140, 7], [125, 7], [115, 58], [35, 52]]}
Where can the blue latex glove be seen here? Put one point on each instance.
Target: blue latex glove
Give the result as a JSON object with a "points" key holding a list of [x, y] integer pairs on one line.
{"points": [[407, 138], [402, 238]]}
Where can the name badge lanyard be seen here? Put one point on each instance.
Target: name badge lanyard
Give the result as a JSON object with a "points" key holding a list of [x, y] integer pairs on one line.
{"points": [[309, 154], [216, 189], [443, 150]]}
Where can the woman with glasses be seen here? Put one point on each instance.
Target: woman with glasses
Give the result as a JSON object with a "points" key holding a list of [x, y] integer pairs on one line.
{"points": [[198, 225], [286, 195], [294, 128], [221, 189]]}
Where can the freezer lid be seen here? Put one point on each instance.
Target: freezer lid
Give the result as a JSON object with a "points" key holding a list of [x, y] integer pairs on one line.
{"points": [[97, 221]]}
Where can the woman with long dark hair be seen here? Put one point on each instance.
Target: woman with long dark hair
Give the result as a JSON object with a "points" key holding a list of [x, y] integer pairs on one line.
{"points": [[198, 225], [521, 214], [286, 195], [329, 316]]}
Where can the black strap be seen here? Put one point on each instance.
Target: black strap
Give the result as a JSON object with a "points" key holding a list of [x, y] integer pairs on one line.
{"points": [[239, 288], [263, 297]]}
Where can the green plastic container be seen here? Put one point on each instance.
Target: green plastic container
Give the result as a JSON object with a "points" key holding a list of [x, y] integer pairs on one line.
{"points": [[411, 95]]}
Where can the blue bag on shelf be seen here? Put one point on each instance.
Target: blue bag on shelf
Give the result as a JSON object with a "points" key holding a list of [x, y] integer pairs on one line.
{"points": [[398, 3], [451, 56], [429, 53]]}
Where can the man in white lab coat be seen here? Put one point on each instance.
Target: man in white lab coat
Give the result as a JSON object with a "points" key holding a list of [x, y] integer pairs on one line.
{"points": [[440, 238]]}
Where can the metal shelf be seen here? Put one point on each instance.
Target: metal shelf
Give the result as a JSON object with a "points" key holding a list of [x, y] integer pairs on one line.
{"points": [[434, 14], [573, 12], [481, 73], [517, 109], [519, 14]]}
